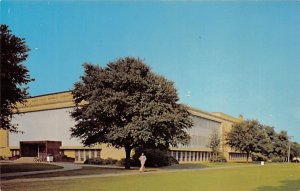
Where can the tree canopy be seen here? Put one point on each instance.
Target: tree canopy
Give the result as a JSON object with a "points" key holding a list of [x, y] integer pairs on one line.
{"points": [[243, 136], [14, 76], [128, 106], [250, 136]]}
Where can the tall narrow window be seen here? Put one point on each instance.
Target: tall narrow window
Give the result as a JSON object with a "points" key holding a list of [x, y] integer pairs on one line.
{"points": [[98, 153], [76, 155], [87, 154], [92, 153], [81, 155]]}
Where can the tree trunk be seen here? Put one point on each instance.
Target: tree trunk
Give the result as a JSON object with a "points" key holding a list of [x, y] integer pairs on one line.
{"points": [[127, 160]]}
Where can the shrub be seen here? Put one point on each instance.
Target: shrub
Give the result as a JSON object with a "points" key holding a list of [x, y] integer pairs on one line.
{"points": [[100, 161], [278, 159], [259, 157], [62, 158], [155, 158], [219, 158], [97, 161], [110, 161], [121, 162]]}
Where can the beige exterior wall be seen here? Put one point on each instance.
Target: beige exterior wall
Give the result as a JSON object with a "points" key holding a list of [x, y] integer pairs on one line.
{"points": [[3, 138], [111, 152], [47, 117], [51, 125], [69, 153], [4, 145]]}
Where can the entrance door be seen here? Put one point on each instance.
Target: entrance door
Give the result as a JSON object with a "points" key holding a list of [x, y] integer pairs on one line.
{"points": [[32, 150]]}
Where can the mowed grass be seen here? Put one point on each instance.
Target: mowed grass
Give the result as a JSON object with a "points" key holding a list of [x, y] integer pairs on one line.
{"points": [[207, 165], [278, 177], [25, 167], [79, 172], [95, 170]]}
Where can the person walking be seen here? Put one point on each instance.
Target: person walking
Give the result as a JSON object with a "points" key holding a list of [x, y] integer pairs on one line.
{"points": [[143, 161]]}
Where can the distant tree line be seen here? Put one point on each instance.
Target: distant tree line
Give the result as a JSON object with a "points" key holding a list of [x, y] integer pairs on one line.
{"points": [[261, 141]]}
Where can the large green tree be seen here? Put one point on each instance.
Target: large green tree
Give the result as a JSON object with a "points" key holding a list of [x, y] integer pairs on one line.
{"points": [[244, 135], [14, 76], [269, 147], [281, 145], [252, 137], [277, 145], [264, 140], [128, 106]]}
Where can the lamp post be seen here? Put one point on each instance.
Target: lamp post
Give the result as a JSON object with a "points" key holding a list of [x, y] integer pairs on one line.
{"points": [[289, 151]]}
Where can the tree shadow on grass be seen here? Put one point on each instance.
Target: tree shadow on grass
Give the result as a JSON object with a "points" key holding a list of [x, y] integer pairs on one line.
{"points": [[288, 185], [187, 166]]}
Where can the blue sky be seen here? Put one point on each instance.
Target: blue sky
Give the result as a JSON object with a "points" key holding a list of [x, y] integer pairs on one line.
{"points": [[234, 57]]}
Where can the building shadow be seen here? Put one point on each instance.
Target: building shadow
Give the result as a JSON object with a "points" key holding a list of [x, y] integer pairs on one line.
{"points": [[288, 185]]}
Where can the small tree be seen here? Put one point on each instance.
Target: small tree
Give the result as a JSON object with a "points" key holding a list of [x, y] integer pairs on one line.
{"points": [[14, 76], [215, 142], [128, 107]]}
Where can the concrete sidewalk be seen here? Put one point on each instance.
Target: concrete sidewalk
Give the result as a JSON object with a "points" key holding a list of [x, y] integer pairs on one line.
{"points": [[66, 166]]}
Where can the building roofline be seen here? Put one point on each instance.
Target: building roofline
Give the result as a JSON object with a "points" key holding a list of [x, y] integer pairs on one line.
{"points": [[64, 99], [49, 94], [226, 117]]}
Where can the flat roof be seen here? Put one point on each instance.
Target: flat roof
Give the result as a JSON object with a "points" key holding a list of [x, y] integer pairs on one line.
{"points": [[64, 99]]}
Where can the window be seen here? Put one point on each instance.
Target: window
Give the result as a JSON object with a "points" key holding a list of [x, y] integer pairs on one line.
{"points": [[81, 155], [174, 154], [87, 154], [98, 153], [76, 155]]}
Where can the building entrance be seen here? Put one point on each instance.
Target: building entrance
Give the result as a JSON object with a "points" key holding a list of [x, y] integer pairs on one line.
{"points": [[39, 148]]}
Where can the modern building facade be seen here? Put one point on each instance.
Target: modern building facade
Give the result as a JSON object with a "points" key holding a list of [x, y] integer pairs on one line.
{"points": [[46, 122]]}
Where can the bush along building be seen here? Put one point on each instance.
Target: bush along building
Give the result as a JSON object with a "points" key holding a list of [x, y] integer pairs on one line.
{"points": [[45, 123]]}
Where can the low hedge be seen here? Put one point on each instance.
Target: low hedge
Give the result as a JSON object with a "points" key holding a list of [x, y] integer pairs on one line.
{"points": [[155, 158], [219, 158], [100, 161]]}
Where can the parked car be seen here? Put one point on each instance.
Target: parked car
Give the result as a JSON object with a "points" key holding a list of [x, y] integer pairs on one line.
{"points": [[296, 159]]}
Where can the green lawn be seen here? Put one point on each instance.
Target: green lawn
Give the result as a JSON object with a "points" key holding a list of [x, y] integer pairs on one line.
{"points": [[275, 177], [207, 165], [86, 170], [83, 171], [25, 167]]}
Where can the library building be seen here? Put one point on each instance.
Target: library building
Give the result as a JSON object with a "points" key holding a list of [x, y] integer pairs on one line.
{"points": [[45, 123]]}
